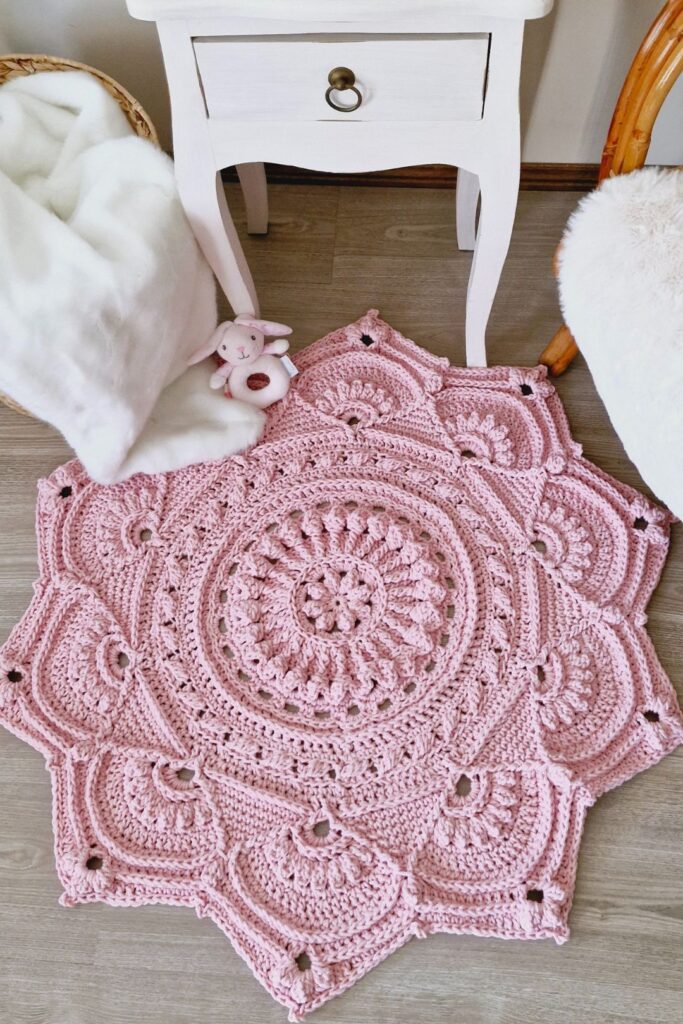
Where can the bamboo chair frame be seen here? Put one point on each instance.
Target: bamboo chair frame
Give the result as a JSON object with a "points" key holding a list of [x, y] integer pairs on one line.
{"points": [[657, 65]]}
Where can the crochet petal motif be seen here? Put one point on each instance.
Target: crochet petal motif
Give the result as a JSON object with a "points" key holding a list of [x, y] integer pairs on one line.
{"points": [[358, 684]]}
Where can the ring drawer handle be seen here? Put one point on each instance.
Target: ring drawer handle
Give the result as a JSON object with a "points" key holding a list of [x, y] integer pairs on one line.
{"points": [[341, 80]]}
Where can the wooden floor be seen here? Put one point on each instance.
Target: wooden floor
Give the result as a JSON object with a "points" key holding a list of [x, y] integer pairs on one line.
{"points": [[332, 253]]}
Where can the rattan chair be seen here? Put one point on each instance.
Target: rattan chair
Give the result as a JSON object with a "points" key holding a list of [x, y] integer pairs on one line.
{"points": [[656, 67]]}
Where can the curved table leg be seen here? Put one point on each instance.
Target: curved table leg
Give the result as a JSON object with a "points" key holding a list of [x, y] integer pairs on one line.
{"points": [[199, 183], [255, 190], [203, 198], [499, 191], [466, 199]]}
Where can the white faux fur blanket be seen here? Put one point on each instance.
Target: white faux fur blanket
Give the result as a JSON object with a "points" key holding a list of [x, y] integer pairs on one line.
{"points": [[621, 288], [103, 291]]}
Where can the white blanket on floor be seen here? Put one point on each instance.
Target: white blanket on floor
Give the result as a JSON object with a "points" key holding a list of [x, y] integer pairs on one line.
{"points": [[103, 291]]}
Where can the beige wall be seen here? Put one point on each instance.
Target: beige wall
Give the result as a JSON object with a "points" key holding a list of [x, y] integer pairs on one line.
{"points": [[574, 64]]}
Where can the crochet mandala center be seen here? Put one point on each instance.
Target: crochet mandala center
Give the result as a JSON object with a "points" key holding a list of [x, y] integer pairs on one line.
{"points": [[358, 684], [343, 595], [336, 609]]}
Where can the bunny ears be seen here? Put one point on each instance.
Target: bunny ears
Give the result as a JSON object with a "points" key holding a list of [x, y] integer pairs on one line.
{"points": [[266, 327]]}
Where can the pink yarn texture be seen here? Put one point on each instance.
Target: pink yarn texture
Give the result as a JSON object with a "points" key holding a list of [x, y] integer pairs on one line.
{"points": [[358, 684]]}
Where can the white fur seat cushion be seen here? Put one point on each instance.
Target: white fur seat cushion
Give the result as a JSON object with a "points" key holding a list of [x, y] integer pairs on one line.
{"points": [[621, 289]]}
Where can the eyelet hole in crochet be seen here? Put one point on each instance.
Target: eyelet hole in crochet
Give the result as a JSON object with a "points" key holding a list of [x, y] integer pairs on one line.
{"points": [[66, 492], [353, 421], [535, 895], [467, 453], [185, 774], [303, 962], [122, 659], [264, 694], [385, 705], [651, 716], [94, 863], [353, 710], [540, 672], [463, 786], [410, 688], [526, 389], [14, 676], [145, 535], [640, 523], [322, 828], [367, 340], [540, 546]]}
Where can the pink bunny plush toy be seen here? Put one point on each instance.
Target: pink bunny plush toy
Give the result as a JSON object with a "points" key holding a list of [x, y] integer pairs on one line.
{"points": [[241, 342]]}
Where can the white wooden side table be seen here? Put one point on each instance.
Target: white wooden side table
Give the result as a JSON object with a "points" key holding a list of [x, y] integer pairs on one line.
{"points": [[347, 86]]}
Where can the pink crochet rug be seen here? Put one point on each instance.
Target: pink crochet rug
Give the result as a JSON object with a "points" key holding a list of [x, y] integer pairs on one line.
{"points": [[356, 685]]}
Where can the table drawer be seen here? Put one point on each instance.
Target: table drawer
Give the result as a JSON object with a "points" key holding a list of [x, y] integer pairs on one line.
{"points": [[399, 78]]}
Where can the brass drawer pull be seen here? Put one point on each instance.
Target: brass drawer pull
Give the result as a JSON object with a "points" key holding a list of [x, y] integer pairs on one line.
{"points": [[342, 79]]}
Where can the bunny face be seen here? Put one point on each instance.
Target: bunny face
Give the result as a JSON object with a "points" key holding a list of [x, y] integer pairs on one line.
{"points": [[240, 344], [242, 341]]}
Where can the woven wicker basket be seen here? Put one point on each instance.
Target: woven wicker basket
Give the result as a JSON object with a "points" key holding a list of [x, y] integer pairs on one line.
{"points": [[13, 65]]}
